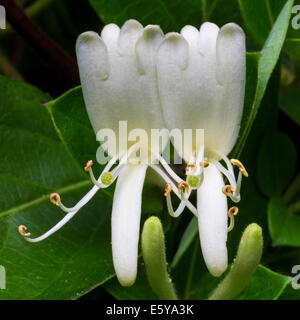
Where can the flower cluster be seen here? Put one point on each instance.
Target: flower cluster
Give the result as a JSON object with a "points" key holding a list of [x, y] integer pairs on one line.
{"points": [[194, 79]]}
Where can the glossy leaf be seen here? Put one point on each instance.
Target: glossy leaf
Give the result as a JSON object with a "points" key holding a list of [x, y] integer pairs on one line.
{"points": [[267, 62], [289, 101], [259, 28], [264, 285], [284, 225], [168, 14], [189, 235], [276, 164], [35, 163]]}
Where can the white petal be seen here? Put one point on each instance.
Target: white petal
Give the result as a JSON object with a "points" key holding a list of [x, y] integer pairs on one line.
{"points": [[193, 97], [212, 220], [126, 94], [125, 222], [110, 36], [187, 94], [231, 74], [129, 34], [149, 41]]}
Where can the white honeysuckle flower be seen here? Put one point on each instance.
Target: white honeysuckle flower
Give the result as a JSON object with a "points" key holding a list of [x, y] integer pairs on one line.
{"points": [[201, 77], [119, 83]]}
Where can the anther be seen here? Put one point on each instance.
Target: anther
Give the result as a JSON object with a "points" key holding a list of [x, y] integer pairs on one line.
{"points": [[22, 232], [204, 164], [55, 198], [168, 189], [88, 165], [190, 171], [183, 184], [233, 211], [226, 190], [238, 163]]}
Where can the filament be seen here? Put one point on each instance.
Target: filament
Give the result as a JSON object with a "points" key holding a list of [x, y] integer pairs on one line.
{"points": [[166, 178]]}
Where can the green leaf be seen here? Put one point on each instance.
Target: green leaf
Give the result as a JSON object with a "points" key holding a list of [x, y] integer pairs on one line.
{"points": [[265, 284], [259, 28], [276, 163], [189, 235], [267, 62], [284, 226], [289, 101], [72, 123], [290, 293], [34, 164], [168, 14], [259, 17], [292, 48]]}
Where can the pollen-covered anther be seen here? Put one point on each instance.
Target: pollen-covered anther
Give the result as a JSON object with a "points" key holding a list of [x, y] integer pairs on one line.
{"points": [[238, 163], [88, 165], [55, 198], [204, 164], [233, 211], [183, 184], [168, 189], [191, 168], [22, 230], [228, 190]]}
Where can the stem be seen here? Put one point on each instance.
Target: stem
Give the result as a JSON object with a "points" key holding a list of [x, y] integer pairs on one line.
{"points": [[187, 290], [8, 68], [33, 11], [153, 249], [247, 259], [38, 7], [292, 190], [40, 41]]}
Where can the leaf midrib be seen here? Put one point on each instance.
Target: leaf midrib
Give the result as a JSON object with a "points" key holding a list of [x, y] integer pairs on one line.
{"points": [[43, 198]]}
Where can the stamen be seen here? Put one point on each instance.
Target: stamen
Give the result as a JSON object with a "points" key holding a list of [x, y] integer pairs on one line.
{"points": [[179, 210], [236, 197], [227, 173], [88, 168], [22, 232], [88, 165], [168, 189], [228, 163], [204, 164], [238, 163], [183, 184], [166, 178], [231, 213], [167, 167], [226, 188], [55, 198]]}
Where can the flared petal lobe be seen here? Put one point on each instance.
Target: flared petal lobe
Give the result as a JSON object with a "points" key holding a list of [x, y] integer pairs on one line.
{"points": [[201, 77], [212, 220], [125, 222], [118, 76]]}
